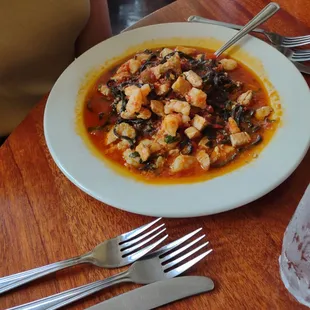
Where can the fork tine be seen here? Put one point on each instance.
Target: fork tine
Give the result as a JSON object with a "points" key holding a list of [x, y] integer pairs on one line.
{"points": [[129, 235], [133, 257], [301, 52], [299, 57], [136, 240], [295, 44], [175, 243], [178, 260], [140, 244], [299, 38], [177, 271], [177, 252]]}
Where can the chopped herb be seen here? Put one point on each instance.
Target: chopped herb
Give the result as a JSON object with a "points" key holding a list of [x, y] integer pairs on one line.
{"points": [[170, 139], [131, 141], [186, 147], [256, 91], [258, 140], [134, 155], [255, 128], [148, 62], [100, 116], [89, 106], [99, 87], [96, 128]]}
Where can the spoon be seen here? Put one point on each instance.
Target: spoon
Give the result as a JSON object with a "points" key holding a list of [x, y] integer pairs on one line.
{"points": [[261, 17]]}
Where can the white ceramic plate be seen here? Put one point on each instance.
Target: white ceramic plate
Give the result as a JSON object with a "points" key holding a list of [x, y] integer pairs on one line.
{"points": [[277, 161]]}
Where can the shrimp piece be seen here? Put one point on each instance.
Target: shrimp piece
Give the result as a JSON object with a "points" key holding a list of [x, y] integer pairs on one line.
{"points": [[147, 147], [157, 107], [135, 101], [144, 151], [171, 124], [182, 162], [166, 51], [197, 98], [145, 89], [132, 158], [185, 120], [173, 63], [193, 78], [162, 89], [204, 159], [134, 65], [144, 113], [222, 153], [159, 163], [263, 112], [119, 107], [156, 71], [123, 68], [129, 90], [142, 57], [240, 138], [111, 137], [123, 145], [124, 129], [233, 126], [178, 106], [127, 115], [203, 143], [186, 50], [105, 90], [121, 77], [229, 64], [245, 98]]}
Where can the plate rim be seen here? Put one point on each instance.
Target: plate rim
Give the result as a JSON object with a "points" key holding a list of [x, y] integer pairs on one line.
{"points": [[108, 201]]}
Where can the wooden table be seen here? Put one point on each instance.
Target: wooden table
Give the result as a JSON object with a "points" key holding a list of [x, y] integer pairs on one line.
{"points": [[44, 218]]}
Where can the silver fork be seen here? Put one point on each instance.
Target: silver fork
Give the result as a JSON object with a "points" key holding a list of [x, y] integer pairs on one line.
{"points": [[295, 55], [159, 265], [274, 38], [117, 252]]}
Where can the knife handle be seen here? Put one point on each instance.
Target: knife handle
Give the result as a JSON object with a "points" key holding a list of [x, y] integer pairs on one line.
{"points": [[199, 19], [64, 298]]}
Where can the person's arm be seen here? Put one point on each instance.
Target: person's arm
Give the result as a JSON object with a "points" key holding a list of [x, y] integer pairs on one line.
{"points": [[97, 29]]}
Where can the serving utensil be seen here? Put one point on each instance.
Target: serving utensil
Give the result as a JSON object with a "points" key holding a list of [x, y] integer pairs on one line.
{"points": [[117, 252], [273, 37], [156, 266], [261, 17], [157, 294]]}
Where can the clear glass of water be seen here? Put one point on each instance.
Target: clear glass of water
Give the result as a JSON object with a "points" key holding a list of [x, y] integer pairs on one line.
{"points": [[295, 257]]}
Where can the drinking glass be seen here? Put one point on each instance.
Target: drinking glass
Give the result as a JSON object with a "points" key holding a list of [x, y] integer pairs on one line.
{"points": [[295, 257]]}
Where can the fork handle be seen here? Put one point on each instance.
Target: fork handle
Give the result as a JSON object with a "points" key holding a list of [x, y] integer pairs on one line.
{"points": [[67, 297], [10, 282], [199, 19]]}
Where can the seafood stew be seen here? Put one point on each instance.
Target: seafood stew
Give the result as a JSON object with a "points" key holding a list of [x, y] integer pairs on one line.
{"points": [[176, 112]]}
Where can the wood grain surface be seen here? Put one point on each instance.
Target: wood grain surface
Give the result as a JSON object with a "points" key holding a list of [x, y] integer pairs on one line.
{"points": [[44, 218]]}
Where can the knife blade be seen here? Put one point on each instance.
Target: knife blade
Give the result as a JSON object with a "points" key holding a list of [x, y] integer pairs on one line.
{"points": [[157, 294]]}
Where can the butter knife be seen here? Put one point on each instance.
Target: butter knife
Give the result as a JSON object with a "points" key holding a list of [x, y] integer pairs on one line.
{"points": [[157, 294]]}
